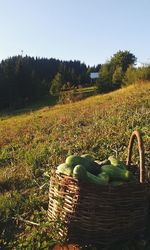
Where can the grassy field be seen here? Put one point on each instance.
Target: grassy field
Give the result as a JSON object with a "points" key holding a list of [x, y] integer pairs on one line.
{"points": [[33, 143]]}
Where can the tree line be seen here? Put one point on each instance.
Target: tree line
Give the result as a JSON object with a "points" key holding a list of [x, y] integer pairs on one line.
{"points": [[26, 79], [120, 71]]}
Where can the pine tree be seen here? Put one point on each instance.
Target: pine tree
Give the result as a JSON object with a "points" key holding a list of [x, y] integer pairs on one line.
{"points": [[56, 84]]}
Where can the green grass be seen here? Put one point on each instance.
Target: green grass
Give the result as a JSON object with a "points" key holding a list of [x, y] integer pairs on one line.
{"points": [[87, 89], [36, 142]]}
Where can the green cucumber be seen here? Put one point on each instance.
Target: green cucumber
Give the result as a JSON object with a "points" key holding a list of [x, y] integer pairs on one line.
{"points": [[64, 169], [116, 173], [79, 172], [97, 180]]}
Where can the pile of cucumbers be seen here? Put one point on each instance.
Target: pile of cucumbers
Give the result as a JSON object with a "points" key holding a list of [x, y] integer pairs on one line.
{"points": [[85, 168]]}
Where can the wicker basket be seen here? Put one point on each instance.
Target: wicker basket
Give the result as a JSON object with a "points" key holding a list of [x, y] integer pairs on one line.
{"points": [[100, 214]]}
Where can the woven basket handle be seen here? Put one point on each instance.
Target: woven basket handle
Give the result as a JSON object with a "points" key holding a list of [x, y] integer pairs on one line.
{"points": [[137, 135]]}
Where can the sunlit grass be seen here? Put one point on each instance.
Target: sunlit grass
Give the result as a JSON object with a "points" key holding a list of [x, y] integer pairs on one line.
{"points": [[35, 142]]}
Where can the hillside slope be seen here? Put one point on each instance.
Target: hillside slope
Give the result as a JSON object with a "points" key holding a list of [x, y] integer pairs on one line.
{"points": [[36, 142]]}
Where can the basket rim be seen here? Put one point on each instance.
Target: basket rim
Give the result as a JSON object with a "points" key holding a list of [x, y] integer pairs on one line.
{"points": [[109, 187]]}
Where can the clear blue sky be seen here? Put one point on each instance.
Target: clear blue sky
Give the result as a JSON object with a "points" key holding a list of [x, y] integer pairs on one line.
{"points": [[87, 30]]}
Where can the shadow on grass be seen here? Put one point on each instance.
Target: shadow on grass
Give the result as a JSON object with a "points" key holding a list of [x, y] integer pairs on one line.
{"points": [[15, 184], [48, 101]]}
